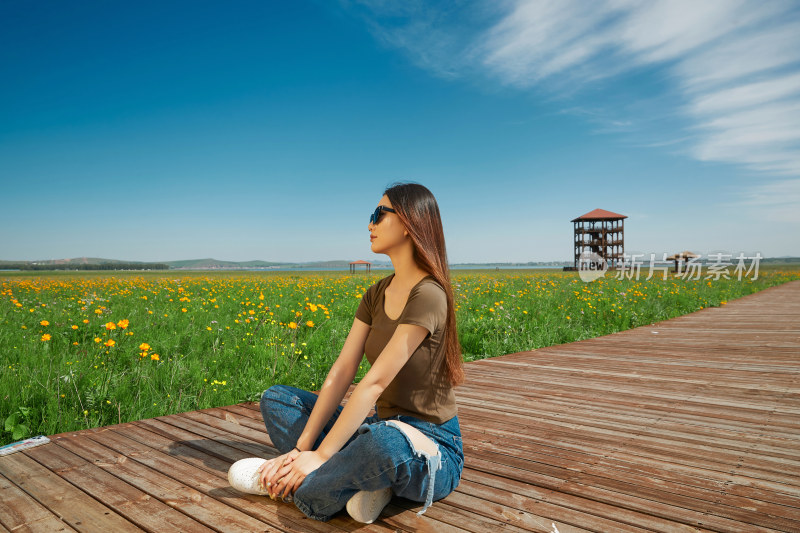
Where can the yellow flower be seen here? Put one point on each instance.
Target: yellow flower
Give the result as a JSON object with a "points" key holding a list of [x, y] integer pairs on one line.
{"points": [[46, 337], [97, 339], [208, 328], [144, 347], [310, 324], [109, 343], [292, 325], [183, 309], [123, 323], [74, 326], [155, 357], [44, 323], [85, 320], [110, 326]]}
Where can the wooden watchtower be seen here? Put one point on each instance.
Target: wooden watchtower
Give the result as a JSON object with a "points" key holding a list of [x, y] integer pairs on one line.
{"points": [[601, 232]]}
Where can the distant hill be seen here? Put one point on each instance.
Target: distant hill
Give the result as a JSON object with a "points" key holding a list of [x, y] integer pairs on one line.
{"points": [[77, 261], [511, 265], [81, 263], [97, 263], [216, 264]]}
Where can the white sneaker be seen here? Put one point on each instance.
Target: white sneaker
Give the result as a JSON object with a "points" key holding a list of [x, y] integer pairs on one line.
{"points": [[243, 475], [365, 506]]}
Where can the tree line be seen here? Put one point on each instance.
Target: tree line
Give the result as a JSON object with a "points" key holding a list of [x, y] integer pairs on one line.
{"points": [[99, 266]]}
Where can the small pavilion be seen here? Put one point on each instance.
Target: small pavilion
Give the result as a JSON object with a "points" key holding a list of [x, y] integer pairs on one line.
{"points": [[681, 258], [601, 232], [354, 264]]}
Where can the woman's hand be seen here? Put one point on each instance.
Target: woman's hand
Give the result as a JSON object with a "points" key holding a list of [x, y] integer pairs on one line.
{"points": [[292, 473], [268, 473]]}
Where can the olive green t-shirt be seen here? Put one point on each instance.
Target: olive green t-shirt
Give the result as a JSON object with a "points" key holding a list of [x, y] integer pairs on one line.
{"points": [[421, 388]]}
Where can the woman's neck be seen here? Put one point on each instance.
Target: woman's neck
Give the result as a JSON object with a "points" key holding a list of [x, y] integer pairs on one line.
{"points": [[407, 272]]}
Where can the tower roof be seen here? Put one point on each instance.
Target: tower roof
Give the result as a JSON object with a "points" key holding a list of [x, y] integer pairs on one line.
{"points": [[600, 214]]}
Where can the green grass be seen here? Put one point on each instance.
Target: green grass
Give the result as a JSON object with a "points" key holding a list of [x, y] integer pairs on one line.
{"points": [[223, 338]]}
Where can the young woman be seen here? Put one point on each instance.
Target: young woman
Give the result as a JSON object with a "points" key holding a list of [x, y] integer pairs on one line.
{"points": [[334, 457]]}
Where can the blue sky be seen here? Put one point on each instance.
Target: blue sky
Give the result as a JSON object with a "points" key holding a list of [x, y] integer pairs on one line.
{"points": [[160, 131]]}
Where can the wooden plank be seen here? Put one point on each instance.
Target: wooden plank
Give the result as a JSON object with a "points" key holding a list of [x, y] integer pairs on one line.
{"points": [[667, 511], [712, 483], [449, 514], [69, 503], [659, 425], [399, 518], [588, 513], [21, 513], [533, 516], [226, 427], [157, 452], [153, 451], [226, 449], [245, 410], [781, 466], [245, 417], [181, 495], [196, 433], [135, 505], [780, 429], [687, 497]]}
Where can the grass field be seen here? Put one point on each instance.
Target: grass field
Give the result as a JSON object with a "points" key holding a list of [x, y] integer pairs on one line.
{"points": [[90, 349]]}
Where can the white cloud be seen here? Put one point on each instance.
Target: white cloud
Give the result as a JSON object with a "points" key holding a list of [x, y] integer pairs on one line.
{"points": [[538, 40], [764, 49], [746, 95], [729, 67], [776, 200], [439, 39]]}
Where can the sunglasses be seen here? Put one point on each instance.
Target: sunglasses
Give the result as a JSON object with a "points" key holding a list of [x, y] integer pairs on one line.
{"points": [[376, 216]]}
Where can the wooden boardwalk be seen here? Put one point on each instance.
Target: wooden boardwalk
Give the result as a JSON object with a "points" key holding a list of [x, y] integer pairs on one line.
{"points": [[691, 424]]}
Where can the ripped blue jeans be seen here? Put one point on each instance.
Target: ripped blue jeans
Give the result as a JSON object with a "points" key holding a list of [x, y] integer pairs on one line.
{"points": [[377, 456]]}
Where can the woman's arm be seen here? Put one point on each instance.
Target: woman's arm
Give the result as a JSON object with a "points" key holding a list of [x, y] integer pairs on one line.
{"points": [[339, 379], [404, 342], [406, 339]]}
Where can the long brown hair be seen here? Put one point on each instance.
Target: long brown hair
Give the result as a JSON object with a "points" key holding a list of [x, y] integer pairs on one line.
{"points": [[417, 209]]}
